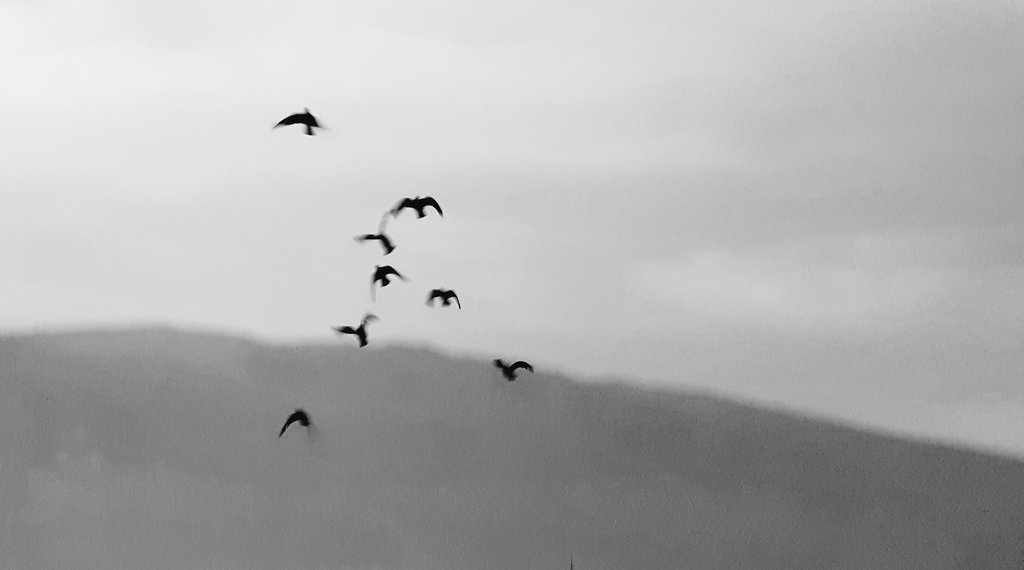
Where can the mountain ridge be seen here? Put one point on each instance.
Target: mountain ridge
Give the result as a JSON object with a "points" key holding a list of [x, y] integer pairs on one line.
{"points": [[421, 460]]}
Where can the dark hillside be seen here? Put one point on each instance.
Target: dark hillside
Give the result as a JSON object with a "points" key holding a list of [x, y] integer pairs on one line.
{"points": [[159, 449]]}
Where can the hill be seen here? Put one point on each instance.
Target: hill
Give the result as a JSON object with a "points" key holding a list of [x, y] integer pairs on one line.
{"points": [[158, 449]]}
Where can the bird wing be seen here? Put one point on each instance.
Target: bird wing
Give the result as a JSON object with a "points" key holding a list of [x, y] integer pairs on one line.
{"points": [[434, 293], [385, 241], [499, 363], [291, 419], [520, 364], [365, 237], [403, 203], [345, 330], [383, 225], [457, 301], [289, 120], [368, 318], [430, 201], [388, 270]]}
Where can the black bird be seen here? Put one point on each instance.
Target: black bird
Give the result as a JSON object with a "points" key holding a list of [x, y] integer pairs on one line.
{"points": [[303, 118], [381, 273], [509, 370], [381, 237], [418, 204], [299, 415], [359, 331], [446, 296]]}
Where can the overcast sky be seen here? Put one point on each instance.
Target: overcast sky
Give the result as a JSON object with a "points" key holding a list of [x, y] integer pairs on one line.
{"points": [[813, 203]]}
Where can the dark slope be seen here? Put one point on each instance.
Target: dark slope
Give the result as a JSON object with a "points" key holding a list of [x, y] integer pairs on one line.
{"points": [[158, 449]]}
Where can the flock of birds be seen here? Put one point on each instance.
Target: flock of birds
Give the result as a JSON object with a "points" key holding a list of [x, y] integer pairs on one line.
{"points": [[382, 274]]}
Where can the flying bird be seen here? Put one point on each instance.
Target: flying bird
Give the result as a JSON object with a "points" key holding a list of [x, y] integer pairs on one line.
{"points": [[446, 296], [303, 118], [509, 370], [419, 204], [381, 237], [359, 331], [299, 415], [381, 274]]}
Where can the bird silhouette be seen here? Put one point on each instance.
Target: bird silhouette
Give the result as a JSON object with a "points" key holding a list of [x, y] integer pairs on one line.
{"points": [[303, 118], [509, 370], [385, 242], [419, 204], [359, 331], [380, 274], [446, 296], [299, 415]]}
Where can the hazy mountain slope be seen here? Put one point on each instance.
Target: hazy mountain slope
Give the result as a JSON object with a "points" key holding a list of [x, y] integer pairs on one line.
{"points": [[159, 449]]}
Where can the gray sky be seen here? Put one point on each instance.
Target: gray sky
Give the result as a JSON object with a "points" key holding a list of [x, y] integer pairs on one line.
{"points": [[814, 203]]}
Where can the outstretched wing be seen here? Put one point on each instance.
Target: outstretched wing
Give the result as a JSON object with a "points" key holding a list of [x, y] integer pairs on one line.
{"points": [[434, 293], [344, 330], [383, 225], [289, 120], [368, 318], [456, 297], [402, 204], [499, 363], [385, 242], [520, 364], [431, 202], [388, 270], [285, 426], [296, 416], [365, 237]]}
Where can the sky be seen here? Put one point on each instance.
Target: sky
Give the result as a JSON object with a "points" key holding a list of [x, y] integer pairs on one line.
{"points": [[813, 204]]}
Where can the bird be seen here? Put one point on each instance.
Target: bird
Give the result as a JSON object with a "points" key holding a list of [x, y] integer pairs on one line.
{"points": [[299, 415], [303, 118], [509, 370], [419, 204], [359, 331], [446, 296], [385, 242], [381, 273]]}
